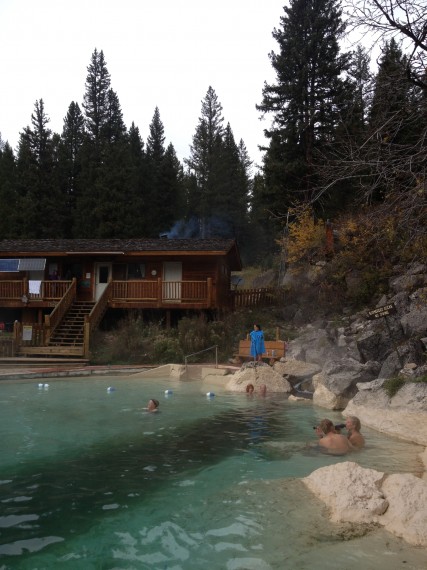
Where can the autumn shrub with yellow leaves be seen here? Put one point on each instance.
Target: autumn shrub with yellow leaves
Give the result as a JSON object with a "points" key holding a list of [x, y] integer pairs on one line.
{"points": [[305, 239]]}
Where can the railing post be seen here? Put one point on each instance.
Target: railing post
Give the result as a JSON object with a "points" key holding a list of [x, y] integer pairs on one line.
{"points": [[47, 329], [86, 341], [209, 299], [159, 292]]}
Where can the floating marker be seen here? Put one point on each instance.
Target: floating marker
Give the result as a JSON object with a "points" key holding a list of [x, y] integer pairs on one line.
{"points": [[45, 386], [210, 394], [41, 385], [167, 392], [111, 389]]}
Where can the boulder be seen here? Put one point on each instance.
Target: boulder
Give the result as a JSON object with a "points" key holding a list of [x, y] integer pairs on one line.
{"points": [[404, 416], [375, 341], [337, 383], [351, 492], [415, 322], [406, 515], [357, 495], [258, 375], [408, 282], [314, 345], [296, 371], [409, 352], [326, 399]]}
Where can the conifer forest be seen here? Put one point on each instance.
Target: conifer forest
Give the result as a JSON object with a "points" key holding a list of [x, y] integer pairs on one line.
{"points": [[346, 142]]}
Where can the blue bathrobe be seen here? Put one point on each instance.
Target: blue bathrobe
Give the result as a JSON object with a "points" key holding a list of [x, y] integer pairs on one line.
{"points": [[257, 343]]}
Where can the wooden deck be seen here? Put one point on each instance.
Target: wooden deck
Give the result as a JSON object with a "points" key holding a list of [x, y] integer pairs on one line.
{"points": [[123, 294]]}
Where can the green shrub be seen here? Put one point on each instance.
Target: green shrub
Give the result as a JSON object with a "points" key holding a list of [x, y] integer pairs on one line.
{"points": [[393, 385]]}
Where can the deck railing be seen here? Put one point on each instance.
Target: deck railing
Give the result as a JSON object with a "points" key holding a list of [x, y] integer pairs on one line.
{"points": [[25, 290], [53, 289], [12, 289], [262, 296], [159, 291]]}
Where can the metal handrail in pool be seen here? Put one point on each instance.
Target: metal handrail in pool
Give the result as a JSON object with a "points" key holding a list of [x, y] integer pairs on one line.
{"points": [[215, 346]]}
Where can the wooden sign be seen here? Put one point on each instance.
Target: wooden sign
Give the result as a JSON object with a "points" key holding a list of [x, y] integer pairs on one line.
{"points": [[383, 311]]}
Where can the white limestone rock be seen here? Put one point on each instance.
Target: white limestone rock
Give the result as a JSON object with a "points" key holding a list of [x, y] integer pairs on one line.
{"points": [[406, 516], [324, 398], [403, 416], [258, 375], [353, 494]]}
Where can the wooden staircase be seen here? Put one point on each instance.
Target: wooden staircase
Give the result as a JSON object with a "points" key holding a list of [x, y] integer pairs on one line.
{"points": [[70, 332]]}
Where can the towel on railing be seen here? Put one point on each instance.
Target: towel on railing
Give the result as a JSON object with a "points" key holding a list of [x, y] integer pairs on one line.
{"points": [[34, 287]]}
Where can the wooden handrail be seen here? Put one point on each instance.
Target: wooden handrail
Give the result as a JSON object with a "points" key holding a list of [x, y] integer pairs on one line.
{"points": [[98, 310], [93, 319], [52, 321]]}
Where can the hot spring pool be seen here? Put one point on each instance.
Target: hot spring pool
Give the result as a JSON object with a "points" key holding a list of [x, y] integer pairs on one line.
{"points": [[90, 481]]}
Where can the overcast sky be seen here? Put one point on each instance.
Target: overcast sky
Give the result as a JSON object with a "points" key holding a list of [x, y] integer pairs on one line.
{"points": [[163, 53]]}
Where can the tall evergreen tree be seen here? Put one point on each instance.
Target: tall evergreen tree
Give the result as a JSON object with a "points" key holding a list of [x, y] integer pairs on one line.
{"points": [[304, 100], [205, 155], [155, 154], [103, 204], [42, 207], [137, 222], [69, 161], [392, 94], [9, 204], [96, 102]]}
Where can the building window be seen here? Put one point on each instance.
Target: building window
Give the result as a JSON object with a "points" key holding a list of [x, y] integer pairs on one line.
{"points": [[136, 270]]}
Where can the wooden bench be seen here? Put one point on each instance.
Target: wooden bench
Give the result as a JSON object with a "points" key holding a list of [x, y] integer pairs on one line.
{"points": [[275, 349]]}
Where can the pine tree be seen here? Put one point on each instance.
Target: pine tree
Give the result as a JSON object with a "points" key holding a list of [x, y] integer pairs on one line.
{"points": [[96, 103], [392, 93], [155, 153], [304, 100], [205, 156], [9, 204], [103, 205], [42, 208], [137, 221], [69, 161]]}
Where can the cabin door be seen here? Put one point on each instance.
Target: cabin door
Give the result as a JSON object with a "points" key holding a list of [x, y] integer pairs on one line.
{"points": [[102, 277], [172, 278]]}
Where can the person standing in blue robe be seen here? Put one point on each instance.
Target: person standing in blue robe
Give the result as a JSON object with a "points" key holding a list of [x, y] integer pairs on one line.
{"points": [[257, 343]]}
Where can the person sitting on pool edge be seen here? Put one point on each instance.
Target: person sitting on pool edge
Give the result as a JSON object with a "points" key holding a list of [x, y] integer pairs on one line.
{"points": [[152, 406], [352, 424], [332, 442]]}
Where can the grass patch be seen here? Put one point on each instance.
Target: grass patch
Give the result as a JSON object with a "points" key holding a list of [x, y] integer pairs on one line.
{"points": [[393, 385]]}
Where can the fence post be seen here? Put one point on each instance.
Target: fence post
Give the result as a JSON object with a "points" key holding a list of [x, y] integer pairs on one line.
{"points": [[16, 337]]}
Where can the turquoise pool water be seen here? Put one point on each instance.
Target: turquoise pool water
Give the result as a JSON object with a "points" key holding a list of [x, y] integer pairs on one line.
{"points": [[89, 480]]}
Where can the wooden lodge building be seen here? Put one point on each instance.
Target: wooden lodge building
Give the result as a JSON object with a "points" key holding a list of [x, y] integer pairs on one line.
{"points": [[54, 292]]}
